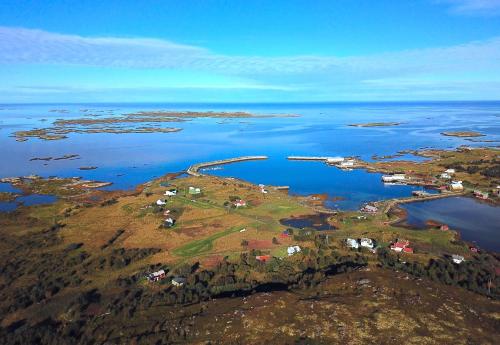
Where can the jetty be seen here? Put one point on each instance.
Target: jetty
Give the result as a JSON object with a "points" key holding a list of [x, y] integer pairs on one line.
{"points": [[194, 169]]}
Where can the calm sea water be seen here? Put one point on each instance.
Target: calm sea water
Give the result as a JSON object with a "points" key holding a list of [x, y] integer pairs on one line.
{"points": [[476, 221], [322, 129]]}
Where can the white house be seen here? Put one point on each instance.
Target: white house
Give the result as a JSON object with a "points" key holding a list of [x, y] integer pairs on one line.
{"points": [[456, 185], [239, 203], [169, 222], [172, 192], [458, 259], [393, 178], [160, 202], [194, 190], [293, 250], [352, 243], [450, 171], [262, 189], [369, 209], [334, 160], [367, 243], [445, 176], [347, 164], [156, 276]]}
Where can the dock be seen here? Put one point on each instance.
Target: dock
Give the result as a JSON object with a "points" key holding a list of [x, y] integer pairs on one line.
{"points": [[307, 158], [193, 170]]}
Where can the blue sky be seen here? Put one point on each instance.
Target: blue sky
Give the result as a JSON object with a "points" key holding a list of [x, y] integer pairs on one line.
{"points": [[249, 51]]}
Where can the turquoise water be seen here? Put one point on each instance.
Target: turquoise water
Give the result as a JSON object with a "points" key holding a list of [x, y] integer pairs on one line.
{"points": [[476, 221], [322, 129]]}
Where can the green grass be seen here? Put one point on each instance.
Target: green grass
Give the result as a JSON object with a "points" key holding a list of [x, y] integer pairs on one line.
{"points": [[204, 245]]}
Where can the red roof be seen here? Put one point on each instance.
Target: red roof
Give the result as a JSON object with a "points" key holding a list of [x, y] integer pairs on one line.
{"points": [[263, 258], [400, 245], [408, 250]]}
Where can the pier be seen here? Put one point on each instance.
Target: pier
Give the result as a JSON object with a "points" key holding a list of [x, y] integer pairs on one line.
{"points": [[307, 158], [193, 170]]}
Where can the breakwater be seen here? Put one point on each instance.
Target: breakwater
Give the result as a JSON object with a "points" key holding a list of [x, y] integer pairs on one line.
{"points": [[194, 169]]}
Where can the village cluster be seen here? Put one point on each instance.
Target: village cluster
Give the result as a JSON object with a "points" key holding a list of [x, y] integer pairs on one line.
{"points": [[398, 246]]}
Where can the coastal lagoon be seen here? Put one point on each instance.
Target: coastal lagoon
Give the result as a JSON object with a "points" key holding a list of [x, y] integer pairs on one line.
{"points": [[320, 129], [476, 221]]}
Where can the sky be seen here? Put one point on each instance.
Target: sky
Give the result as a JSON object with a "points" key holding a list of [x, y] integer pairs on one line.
{"points": [[249, 50]]}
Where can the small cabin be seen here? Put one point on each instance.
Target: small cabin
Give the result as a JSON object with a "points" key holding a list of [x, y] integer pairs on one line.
{"points": [[160, 202]]}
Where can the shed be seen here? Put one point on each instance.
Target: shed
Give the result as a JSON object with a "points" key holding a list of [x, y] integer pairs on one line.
{"points": [[178, 281]]}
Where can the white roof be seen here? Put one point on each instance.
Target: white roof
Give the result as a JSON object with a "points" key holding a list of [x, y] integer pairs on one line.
{"points": [[158, 273], [293, 249]]}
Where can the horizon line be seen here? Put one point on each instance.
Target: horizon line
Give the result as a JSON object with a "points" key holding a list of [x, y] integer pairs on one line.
{"points": [[256, 102]]}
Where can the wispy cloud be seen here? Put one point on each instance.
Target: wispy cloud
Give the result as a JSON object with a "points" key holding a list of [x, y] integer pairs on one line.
{"points": [[19, 45], [453, 70], [474, 7]]}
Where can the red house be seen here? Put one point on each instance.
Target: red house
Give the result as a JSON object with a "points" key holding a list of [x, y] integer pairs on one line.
{"points": [[285, 234], [401, 246], [263, 258]]}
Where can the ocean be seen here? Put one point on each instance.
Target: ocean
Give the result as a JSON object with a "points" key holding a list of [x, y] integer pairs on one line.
{"points": [[321, 129]]}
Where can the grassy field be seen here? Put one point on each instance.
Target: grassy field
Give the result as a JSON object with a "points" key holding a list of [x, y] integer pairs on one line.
{"points": [[202, 246]]}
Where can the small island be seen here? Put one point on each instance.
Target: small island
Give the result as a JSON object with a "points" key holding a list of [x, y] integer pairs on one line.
{"points": [[375, 124], [140, 122], [463, 134]]}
